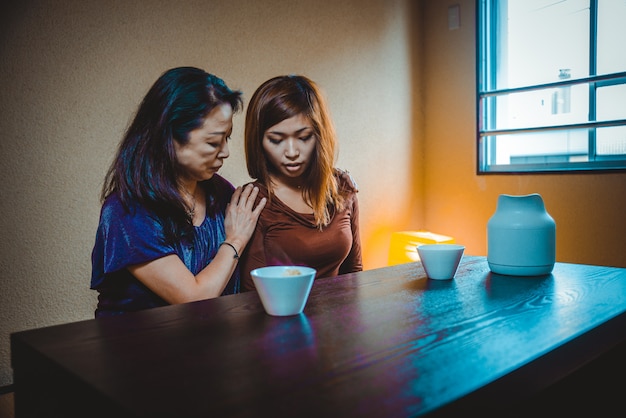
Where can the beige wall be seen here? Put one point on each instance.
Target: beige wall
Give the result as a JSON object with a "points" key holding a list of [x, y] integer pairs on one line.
{"points": [[401, 91], [73, 71]]}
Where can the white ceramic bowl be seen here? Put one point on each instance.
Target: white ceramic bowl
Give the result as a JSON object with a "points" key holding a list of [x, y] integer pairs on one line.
{"points": [[284, 290], [440, 261]]}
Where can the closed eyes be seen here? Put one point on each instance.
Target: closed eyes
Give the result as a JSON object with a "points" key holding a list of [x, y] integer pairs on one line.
{"points": [[278, 140]]}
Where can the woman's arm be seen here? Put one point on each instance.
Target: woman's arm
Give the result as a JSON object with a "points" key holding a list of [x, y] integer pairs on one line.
{"points": [[168, 276], [354, 260]]}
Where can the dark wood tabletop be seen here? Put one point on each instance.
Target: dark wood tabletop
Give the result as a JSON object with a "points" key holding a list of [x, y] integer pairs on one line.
{"points": [[380, 343]]}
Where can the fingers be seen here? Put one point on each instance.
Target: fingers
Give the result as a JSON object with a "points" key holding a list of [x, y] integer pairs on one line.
{"points": [[245, 197], [257, 211], [248, 196], [235, 197], [242, 214]]}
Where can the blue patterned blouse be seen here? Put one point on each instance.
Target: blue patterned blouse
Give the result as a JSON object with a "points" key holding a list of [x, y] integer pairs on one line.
{"points": [[125, 238]]}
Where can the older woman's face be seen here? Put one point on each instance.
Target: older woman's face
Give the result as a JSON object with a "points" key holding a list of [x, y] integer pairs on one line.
{"points": [[289, 146], [204, 153]]}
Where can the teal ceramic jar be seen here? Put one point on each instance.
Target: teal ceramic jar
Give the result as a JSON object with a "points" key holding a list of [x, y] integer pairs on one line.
{"points": [[521, 237]]}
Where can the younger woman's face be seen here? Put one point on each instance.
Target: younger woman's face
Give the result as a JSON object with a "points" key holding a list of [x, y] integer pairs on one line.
{"points": [[204, 153], [289, 146]]}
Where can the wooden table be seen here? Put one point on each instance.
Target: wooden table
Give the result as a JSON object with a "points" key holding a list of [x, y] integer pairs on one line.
{"points": [[381, 343]]}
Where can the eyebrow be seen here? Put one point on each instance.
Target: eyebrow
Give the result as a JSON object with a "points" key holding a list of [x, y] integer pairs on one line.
{"points": [[219, 133], [296, 132]]}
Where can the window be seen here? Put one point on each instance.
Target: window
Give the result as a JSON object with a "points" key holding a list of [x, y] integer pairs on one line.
{"points": [[551, 85]]}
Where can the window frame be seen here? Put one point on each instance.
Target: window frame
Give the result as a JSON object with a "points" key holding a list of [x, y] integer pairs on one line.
{"points": [[486, 18]]}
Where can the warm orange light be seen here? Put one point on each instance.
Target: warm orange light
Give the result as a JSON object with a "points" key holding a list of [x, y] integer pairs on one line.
{"points": [[403, 246]]}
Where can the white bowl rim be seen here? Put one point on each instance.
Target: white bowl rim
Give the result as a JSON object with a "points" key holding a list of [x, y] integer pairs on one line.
{"points": [[439, 247], [304, 270]]}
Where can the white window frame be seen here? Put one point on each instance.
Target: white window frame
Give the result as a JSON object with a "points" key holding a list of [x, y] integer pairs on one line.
{"points": [[486, 106]]}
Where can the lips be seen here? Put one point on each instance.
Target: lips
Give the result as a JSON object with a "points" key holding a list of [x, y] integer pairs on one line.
{"points": [[293, 167]]}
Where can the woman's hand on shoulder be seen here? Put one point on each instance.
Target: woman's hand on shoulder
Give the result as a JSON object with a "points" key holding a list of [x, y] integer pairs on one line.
{"points": [[242, 215]]}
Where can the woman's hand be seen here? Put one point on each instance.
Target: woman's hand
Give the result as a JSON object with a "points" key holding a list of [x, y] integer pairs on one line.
{"points": [[169, 278], [242, 216]]}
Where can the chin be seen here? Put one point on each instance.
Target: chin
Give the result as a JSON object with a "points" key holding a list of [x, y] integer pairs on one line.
{"points": [[293, 174]]}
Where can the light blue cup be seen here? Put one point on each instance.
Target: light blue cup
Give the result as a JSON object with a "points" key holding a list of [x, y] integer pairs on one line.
{"points": [[283, 290], [440, 261]]}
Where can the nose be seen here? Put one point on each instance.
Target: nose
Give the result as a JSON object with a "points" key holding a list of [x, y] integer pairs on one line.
{"points": [[292, 150], [224, 151]]}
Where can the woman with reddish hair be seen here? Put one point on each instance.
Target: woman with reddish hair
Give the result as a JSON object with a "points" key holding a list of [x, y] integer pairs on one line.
{"points": [[312, 211]]}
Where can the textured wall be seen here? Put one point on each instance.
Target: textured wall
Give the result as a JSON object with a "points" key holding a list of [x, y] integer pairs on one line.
{"points": [[73, 71]]}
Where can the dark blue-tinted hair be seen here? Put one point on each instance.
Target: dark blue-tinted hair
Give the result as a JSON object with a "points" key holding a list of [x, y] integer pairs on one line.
{"points": [[145, 168]]}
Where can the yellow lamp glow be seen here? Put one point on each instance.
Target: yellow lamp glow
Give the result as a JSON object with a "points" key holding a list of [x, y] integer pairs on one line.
{"points": [[403, 247]]}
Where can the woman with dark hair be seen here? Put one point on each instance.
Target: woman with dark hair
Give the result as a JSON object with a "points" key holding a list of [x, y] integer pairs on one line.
{"points": [[311, 218], [171, 229]]}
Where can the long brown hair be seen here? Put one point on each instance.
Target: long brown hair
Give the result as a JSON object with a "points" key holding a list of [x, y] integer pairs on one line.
{"points": [[281, 98]]}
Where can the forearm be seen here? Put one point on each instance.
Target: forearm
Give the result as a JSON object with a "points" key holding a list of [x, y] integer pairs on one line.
{"points": [[169, 278], [212, 280]]}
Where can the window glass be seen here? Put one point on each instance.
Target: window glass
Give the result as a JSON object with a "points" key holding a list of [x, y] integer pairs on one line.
{"points": [[611, 102], [542, 38], [611, 141], [545, 107], [562, 146], [611, 36]]}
